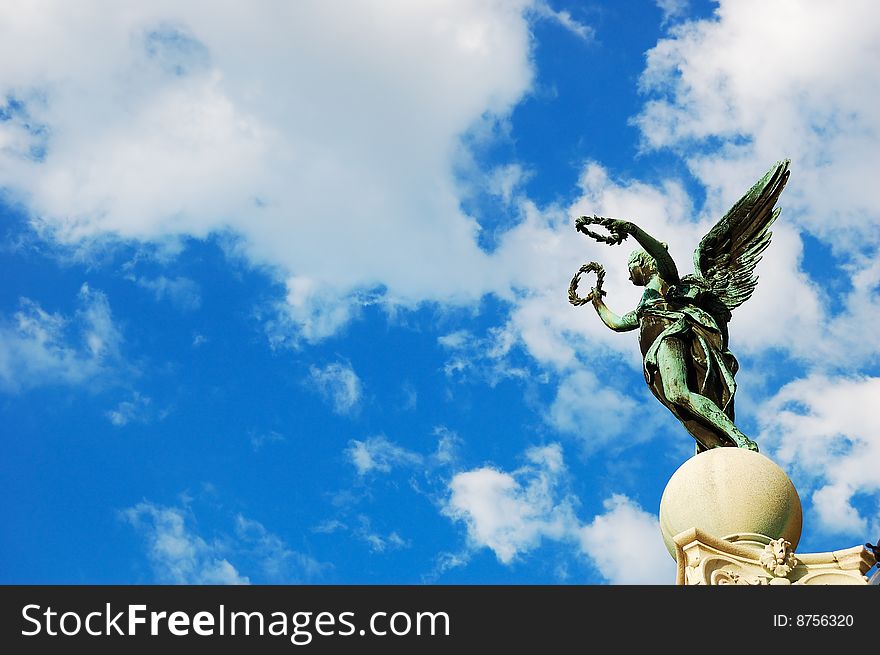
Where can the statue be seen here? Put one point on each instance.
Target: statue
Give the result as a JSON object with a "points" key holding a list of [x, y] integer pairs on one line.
{"points": [[682, 321]]}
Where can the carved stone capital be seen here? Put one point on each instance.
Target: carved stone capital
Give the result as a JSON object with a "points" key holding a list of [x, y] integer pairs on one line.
{"points": [[704, 559]]}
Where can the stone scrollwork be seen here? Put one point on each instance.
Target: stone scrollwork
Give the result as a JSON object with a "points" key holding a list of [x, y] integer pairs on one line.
{"points": [[723, 577]]}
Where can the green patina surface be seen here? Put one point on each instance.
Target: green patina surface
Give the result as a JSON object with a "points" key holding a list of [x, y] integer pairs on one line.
{"points": [[682, 321]]}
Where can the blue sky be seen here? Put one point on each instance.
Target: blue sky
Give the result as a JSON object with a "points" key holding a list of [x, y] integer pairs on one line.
{"points": [[285, 285]]}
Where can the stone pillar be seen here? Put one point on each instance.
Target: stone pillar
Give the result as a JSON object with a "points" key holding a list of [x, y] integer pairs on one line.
{"points": [[732, 516]]}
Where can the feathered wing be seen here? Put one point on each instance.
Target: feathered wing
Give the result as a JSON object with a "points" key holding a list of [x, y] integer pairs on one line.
{"points": [[727, 255]]}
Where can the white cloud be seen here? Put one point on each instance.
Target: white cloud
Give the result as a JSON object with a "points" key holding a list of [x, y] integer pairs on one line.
{"points": [[40, 348], [136, 409], [172, 123], [565, 19], [454, 340], [544, 251], [379, 454], [260, 439], [826, 431], [377, 542], [597, 414], [850, 339], [446, 561], [364, 531], [325, 141], [484, 357], [183, 292], [448, 443], [512, 513], [505, 181], [329, 526], [280, 564], [626, 546], [339, 384], [178, 555], [311, 312], [410, 397], [673, 9], [789, 79]]}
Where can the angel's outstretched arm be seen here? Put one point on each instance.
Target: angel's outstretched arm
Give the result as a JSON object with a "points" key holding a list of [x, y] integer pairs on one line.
{"points": [[665, 264], [624, 323]]}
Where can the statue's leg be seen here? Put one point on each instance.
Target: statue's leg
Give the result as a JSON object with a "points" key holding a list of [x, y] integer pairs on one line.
{"points": [[672, 362]]}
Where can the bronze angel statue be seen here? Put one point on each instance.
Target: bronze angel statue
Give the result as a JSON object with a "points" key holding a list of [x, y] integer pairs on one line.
{"points": [[682, 321]]}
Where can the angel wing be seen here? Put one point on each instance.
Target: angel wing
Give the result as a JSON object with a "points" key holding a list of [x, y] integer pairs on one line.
{"points": [[727, 255]]}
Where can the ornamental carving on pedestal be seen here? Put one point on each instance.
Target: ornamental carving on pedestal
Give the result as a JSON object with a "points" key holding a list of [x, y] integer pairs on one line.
{"points": [[778, 558], [729, 577], [752, 559]]}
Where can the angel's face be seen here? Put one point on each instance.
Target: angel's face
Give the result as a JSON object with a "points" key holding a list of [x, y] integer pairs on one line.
{"points": [[637, 274]]}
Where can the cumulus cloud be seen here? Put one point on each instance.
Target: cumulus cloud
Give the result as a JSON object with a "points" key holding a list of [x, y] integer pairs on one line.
{"points": [[592, 410], [160, 121], [339, 385], [39, 348], [177, 554], [826, 431], [174, 124], [625, 544], [303, 134], [379, 454], [512, 513]]}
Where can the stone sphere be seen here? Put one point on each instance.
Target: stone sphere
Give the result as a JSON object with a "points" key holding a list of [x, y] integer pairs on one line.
{"points": [[730, 491]]}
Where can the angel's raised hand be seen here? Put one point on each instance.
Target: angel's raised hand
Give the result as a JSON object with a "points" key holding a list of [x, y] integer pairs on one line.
{"points": [[620, 228]]}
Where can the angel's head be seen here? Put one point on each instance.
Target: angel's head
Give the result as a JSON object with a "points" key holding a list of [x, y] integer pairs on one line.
{"points": [[642, 267]]}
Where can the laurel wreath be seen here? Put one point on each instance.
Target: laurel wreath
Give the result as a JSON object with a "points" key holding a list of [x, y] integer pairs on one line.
{"points": [[573, 296], [616, 237]]}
